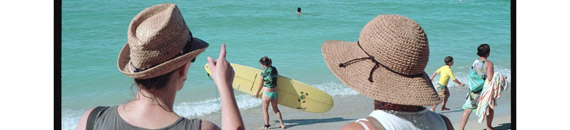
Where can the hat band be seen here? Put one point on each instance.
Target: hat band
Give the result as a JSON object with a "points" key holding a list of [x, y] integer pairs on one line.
{"points": [[184, 50], [377, 64]]}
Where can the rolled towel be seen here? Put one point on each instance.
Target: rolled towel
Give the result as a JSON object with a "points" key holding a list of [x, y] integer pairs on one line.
{"points": [[491, 92]]}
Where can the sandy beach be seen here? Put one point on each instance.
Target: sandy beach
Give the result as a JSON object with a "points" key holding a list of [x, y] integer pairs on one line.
{"points": [[349, 108]]}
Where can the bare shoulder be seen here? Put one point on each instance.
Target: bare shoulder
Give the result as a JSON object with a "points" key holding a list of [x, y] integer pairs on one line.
{"points": [[83, 120], [207, 125], [488, 63], [352, 126]]}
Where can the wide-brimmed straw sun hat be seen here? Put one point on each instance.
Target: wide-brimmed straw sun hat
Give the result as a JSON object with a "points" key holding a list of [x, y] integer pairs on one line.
{"points": [[158, 42], [386, 63]]}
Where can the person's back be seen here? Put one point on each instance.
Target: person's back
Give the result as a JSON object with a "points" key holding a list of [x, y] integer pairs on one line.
{"points": [[270, 77], [445, 74], [108, 118]]}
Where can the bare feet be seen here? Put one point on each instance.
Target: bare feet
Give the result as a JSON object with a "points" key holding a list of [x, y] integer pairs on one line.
{"points": [[444, 108], [282, 127], [433, 108]]}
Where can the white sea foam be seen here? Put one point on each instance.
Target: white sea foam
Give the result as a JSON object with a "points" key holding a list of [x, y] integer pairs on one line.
{"points": [[192, 109], [244, 101], [335, 89], [70, 118]]}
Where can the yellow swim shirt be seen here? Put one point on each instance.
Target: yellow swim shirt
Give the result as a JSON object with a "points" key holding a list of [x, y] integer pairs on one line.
{"points": [[445, 73]]}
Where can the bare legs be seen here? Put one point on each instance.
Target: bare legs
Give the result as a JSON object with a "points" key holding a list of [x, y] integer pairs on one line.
{"points": [[465, 118], [265, 106], [277, 112], [443, 108], [490, 118]]}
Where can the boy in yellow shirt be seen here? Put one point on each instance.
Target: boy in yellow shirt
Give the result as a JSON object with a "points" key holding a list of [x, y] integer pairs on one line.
{"points": [[446, 73]]}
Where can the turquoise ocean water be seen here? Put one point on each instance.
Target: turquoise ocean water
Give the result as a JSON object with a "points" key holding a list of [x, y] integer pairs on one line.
{"points": [[93, 33]]}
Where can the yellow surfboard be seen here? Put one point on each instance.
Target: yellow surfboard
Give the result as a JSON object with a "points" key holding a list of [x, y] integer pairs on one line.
{"points": [[291, 93]]}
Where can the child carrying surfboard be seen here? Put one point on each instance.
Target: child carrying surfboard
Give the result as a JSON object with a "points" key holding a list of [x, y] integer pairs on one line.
{"points": [[446, 74]]}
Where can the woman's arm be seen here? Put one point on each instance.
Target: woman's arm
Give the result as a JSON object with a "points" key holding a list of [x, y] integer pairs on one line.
{"points": [[490, 70], [223, 76]]}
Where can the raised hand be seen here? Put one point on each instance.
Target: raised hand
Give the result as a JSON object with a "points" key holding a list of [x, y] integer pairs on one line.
{"points": [[223, 76], [222, 72]]}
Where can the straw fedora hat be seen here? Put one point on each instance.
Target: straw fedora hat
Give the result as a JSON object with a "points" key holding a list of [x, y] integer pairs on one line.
{"points": [[158, 42], [386, 63]]}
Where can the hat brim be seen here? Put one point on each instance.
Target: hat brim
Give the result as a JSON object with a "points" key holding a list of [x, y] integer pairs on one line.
{"points": [[197, 46], [387, 86]]}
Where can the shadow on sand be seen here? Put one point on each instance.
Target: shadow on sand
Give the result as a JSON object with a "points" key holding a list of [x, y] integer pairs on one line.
{"points": [[299, 122], [452, 111], [504, 126]]}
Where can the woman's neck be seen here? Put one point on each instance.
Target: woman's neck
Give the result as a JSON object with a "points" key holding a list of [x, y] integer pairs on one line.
{"points": [[155, 99], [379, 105], [482, 58]]}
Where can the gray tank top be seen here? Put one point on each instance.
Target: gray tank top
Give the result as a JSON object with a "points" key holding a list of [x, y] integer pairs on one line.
{"points": [[108, 119]]}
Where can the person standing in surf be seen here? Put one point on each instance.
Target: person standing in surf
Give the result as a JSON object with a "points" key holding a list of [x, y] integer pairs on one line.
{"points": [[268, 80], [446, 74]]}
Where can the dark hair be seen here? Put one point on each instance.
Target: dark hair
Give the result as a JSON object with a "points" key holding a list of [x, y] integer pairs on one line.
{"points": [[483, 50], [448, 60], [298, 9], [265, 61], [158, 82]]}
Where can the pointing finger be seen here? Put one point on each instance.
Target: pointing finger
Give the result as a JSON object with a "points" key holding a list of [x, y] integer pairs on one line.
{"points": [[222, 51]]}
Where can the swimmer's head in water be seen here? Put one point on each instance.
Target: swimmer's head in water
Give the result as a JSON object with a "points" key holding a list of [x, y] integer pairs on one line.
{"points": [[299, 9]]}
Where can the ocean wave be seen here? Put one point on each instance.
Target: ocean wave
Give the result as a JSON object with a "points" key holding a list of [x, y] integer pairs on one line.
{"points": [[244, 101], [192, 109], [70, 118], [335, 89]]}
